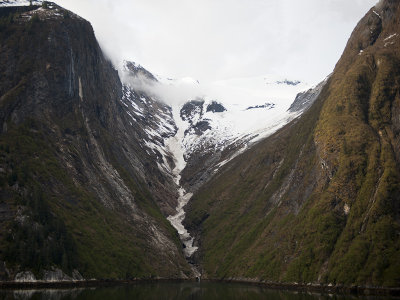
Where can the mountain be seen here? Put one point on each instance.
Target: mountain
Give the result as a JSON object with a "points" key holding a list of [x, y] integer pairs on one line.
{"points": [[81, 190], [91, 161], [124, 174], [317, 201], [222, 119], [194, 138]]}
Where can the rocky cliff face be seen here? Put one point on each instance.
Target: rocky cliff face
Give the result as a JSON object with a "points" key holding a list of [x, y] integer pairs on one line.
{"points": [[79, 185], [304, 100], [153, 124], [318, 201]]}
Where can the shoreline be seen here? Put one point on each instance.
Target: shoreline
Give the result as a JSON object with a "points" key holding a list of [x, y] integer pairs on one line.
{"points": [[314, 288], [320, 288], [10, 285]]}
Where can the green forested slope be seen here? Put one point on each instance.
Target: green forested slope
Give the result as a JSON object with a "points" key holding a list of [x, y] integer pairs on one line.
{"points": [[319, 201], [70, 197]]}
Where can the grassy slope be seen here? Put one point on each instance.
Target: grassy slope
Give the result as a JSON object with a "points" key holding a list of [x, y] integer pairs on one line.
{"points": [[277, 212]]}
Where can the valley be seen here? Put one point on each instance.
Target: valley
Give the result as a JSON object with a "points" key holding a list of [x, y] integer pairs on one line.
{"points": [[122, 174]]}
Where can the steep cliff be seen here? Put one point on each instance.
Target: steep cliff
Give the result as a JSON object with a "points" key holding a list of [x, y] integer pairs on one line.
{"points": [[319, 201], [77, 179]]}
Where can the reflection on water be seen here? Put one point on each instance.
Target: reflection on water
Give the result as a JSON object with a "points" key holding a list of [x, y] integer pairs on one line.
{"points": [[187, 290]]}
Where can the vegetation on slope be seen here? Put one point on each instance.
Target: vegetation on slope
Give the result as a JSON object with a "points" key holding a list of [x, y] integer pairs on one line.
{"points": [[69, 198], [319, 200]]}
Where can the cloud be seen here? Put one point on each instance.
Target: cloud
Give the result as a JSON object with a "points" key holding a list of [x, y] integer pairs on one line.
{"points": [[170, 91], [211, 40]]}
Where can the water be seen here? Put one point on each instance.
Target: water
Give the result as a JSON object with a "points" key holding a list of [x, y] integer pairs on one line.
{"points": [[168, 290], [177, 221], [174, 145]]}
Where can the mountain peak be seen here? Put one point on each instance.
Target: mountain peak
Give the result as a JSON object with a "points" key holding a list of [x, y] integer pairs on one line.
{"points": [[136, 70]]}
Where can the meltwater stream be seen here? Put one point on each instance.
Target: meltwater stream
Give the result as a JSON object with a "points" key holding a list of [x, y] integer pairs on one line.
{"points": [[177, 219], [174, 145]]}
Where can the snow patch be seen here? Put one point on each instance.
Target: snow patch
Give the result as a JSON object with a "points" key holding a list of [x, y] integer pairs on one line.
{"points": [[377, 14], [19, 2], [346, 209], [390, 36], [80, 89]]}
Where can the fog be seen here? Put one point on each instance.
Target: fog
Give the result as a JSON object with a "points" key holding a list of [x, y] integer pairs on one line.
{"points": [[215, 40]]}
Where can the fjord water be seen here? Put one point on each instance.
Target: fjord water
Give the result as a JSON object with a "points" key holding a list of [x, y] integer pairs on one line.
{"points": [[166, 291]]}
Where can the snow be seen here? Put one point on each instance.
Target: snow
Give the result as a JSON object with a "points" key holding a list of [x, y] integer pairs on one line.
{"points": [[235, 125], [19, 2], [80, 88], [143, 99], [179, 81], [129, 97], [238, 122], [346, 209], [377, 14], [389, 43], [269, 96], [177, 219], [390, 36], [133, 118], [174, 145]]}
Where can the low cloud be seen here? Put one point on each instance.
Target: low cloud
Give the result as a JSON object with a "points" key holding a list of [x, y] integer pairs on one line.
{"points": [[175, 92], [211, 40]]}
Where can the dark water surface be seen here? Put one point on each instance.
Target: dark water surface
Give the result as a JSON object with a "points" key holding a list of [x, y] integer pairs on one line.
{"points": [[168, 290]]}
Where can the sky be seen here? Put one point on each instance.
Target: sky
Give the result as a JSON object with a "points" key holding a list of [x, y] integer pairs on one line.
{"points": [[221, 39]]}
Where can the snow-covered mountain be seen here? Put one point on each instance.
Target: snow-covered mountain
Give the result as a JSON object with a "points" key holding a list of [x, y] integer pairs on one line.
{"points": [[176, 133], [208, 123], [226, 117], [193, 129]]}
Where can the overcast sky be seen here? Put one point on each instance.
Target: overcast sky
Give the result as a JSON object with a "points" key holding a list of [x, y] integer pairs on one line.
{"points": [[219, 39]]}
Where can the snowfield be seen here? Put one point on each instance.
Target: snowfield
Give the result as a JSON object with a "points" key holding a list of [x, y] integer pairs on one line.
{"points": [[255, 108]]}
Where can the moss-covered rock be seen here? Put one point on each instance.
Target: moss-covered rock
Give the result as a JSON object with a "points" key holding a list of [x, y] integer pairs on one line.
{"points": [[319, 200]]}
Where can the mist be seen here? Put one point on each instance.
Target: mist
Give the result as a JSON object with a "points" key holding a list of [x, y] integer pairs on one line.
{"points": [[213, 40]]}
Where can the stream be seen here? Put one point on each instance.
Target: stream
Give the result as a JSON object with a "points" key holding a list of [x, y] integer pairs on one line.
{"points": [[174, 144]]}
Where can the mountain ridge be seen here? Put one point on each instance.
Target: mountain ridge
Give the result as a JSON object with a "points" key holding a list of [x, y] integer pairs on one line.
{"points": [[317, 202]]}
